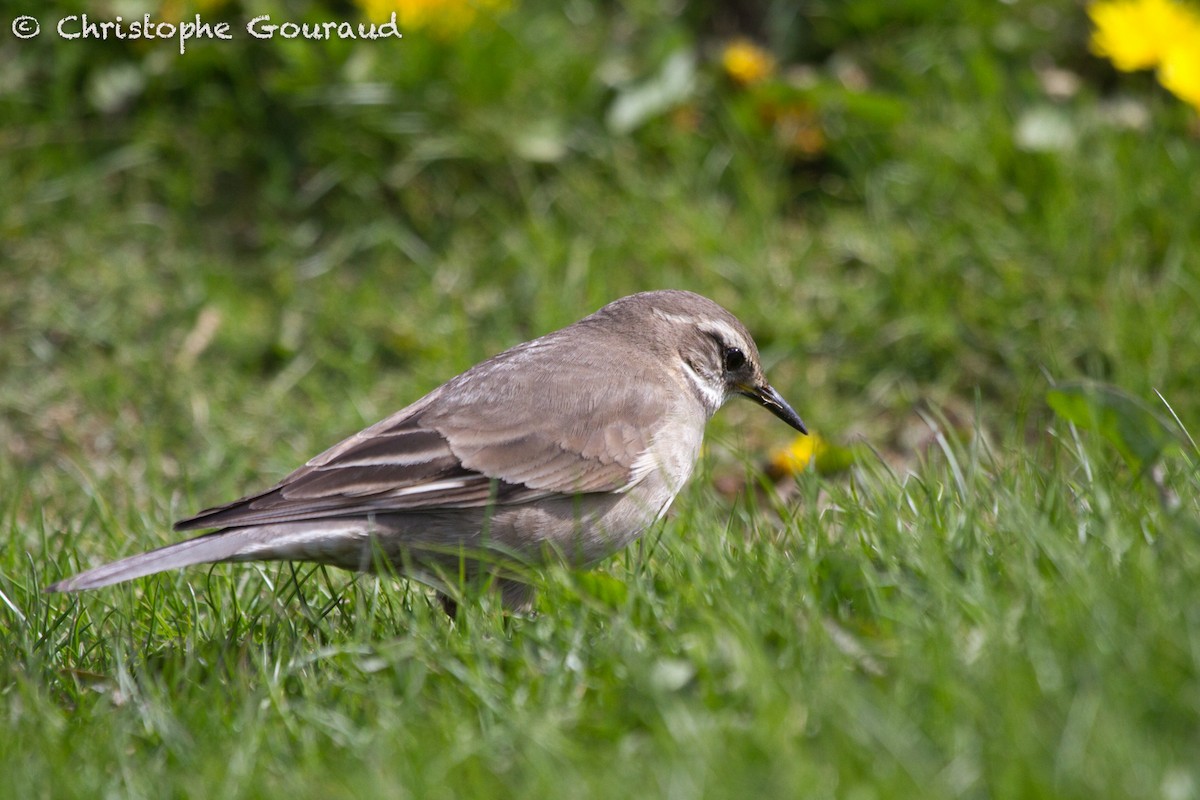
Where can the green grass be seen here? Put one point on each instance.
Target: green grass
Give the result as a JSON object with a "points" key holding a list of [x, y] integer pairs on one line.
{"points": [[994, 601]]}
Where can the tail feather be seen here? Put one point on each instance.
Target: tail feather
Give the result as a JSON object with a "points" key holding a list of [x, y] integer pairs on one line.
{"points": [[351, 543], [216, 546]]}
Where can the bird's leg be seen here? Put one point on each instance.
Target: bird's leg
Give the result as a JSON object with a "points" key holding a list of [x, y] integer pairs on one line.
{"points": [[449, 605]]}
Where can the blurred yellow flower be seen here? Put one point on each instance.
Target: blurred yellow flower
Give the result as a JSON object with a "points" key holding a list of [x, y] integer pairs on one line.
{"points": [[803, 452], [1138, 34], [747, 63], [442, 18], [1143, 34], [1180, 73]]}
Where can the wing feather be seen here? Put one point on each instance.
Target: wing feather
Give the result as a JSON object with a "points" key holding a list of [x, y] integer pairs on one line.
{"points": [[505, 432]]}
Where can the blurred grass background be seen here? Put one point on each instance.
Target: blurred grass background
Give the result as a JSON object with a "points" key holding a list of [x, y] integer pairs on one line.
{"points": [[966, 246]]}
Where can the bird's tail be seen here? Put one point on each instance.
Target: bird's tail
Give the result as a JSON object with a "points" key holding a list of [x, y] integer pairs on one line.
{"points": [[351, 543], [218, 546]]}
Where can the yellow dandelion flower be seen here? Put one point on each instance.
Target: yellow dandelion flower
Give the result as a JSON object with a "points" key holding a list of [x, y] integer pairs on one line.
{"points": [[442, 18], [1138, 34], [802, 453], [1180, 73], [747, 63]]}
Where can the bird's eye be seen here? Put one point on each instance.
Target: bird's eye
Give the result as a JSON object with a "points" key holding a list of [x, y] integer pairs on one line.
{"points": [[735, 359]]}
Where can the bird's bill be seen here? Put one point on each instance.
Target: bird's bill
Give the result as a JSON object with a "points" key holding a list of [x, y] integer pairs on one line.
{"points": [[768, 398]]}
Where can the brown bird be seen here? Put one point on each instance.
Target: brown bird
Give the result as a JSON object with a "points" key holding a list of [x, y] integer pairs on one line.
{"points": [[565, 447]]}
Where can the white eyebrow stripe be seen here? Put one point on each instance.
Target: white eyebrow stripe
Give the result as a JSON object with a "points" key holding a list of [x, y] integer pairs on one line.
{"points": [[713, 327], [682, 319], [723, 332]]}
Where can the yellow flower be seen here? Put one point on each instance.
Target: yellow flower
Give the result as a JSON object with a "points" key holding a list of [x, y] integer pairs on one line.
{"points": [[442, 18], [1180, 72], [803, 452], [1138, 34], [747, 63]]}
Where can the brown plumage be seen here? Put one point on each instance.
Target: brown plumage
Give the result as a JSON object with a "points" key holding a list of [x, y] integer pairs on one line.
{"points": [[567, 446]]}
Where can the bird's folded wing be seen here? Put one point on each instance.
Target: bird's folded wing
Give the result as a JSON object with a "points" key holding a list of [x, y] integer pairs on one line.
{"points": [[408, 467], [372, 472], [553, 415]]}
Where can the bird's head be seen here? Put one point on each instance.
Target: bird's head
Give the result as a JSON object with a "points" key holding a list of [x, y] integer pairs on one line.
{"points": [[714, 354]]}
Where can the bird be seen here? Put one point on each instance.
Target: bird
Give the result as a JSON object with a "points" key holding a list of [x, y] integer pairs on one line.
{"points": [[566, 447]]}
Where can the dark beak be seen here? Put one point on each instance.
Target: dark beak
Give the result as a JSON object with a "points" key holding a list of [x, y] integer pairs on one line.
{"points": [[768, 398]]}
